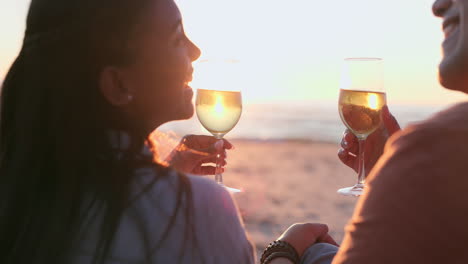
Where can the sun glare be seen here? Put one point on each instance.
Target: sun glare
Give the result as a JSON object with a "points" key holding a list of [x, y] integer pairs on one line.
{"points": [[218, 107], [296, 58], [373, 101]]}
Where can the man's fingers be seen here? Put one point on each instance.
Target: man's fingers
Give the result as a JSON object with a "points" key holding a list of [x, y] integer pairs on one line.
{"points": [[349, 149], [348, 159], [327, 239], [349, 142], [391, 124], [350, 146], [349, 136], [318, 230]]}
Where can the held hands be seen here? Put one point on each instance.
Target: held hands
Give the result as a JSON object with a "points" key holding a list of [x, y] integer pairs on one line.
{"points": [[194, 151], [374, 144], [302, 236]]}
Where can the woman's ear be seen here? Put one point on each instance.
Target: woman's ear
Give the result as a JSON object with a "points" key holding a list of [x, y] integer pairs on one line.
{"points": [[112, 87]]}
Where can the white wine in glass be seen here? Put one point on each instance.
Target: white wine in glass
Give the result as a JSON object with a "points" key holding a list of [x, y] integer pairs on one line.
{"points": [[219, 112], [361, 111], [361, 100]]}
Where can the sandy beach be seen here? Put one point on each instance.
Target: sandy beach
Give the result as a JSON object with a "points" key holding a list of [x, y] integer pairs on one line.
{"points": [[285, 182]]}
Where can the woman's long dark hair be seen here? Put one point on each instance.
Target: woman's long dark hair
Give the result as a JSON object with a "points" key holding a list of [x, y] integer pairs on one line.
{"points": [[54, 148]]}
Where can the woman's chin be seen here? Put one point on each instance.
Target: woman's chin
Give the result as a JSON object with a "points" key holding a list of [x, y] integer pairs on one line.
{"points": [[186, 112], [186, 109], [189, 112]]}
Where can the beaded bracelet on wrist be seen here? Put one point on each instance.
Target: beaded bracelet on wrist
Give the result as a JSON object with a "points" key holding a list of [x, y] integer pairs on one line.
{"points": [[279, 249]]}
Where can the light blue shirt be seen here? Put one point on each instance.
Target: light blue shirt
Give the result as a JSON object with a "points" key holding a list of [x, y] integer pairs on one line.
{"points": [[218, 230], [321, 253]]}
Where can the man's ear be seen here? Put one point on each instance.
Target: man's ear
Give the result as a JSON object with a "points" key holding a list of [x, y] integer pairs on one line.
{"points": [[112, 87]]}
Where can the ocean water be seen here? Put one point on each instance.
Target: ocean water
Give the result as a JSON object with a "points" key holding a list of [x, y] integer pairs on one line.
{"points": [[316, 121]]}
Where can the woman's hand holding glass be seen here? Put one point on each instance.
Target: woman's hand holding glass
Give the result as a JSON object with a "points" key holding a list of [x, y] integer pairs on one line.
{"points": [[197, 154]]}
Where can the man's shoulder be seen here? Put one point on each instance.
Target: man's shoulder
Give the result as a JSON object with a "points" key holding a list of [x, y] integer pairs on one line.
{"points": [[454, 117], [446, 127]]}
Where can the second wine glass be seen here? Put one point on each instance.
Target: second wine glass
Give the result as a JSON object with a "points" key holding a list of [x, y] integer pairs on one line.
{"points": [[362, 97]]}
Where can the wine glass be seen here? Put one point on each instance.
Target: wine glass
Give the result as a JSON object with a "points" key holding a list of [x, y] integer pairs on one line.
{"points": [[362, 97], [219, 112]]}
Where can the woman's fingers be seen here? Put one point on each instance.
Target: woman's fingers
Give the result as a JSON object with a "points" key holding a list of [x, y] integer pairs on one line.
{"points": [[227, 144], [206, 170], [204, 142], [213, 160], [195, 151]]}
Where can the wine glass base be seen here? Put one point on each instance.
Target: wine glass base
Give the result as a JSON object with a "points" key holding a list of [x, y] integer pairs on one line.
{"points": [[229, 189], [356, 190], [232, 190]]}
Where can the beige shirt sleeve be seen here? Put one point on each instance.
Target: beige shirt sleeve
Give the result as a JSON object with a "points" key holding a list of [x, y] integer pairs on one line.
{"points": [[415, 209]]}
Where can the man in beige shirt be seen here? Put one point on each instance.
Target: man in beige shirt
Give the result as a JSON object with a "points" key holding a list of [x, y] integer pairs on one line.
{"points": [[415, 208]]}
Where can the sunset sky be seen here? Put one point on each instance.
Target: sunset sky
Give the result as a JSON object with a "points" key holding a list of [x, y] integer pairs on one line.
{"points": [[292, 50]]}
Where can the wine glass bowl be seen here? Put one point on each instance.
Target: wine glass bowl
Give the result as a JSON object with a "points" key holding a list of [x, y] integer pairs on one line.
{"points": [[218, 111], [360, 111]]}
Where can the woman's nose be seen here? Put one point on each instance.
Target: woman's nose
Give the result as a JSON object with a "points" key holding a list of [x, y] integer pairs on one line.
{"points": [[195, 52], [441, 6]]}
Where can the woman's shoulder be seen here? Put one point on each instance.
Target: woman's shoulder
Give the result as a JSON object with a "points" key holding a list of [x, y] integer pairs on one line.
{"points": [[215, 204], [218, 216], [207, 197], [203, 183], [207, 191], [168, 181], [215, 214]]}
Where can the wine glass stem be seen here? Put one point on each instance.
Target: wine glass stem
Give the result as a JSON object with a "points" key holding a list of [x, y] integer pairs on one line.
{"points": [[361, 168], [219, 175]]}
